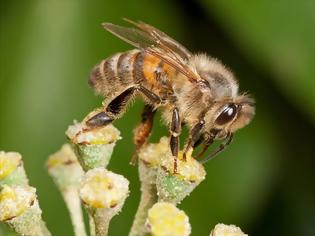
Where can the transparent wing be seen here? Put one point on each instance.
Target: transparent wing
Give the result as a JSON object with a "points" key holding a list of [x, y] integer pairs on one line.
{"points": [[132, 36], [156, 43], [163, 39]]}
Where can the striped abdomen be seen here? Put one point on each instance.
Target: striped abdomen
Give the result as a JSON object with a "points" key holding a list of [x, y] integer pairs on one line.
{"points": [[124, 70]]}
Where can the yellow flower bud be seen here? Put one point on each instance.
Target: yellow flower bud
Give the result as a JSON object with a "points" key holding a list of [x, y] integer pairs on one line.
{"points": [[152, 153], [103, 189], [187, 169], [227, 230], [164, 219], [9, 161], [15, 200], [78, 133]]}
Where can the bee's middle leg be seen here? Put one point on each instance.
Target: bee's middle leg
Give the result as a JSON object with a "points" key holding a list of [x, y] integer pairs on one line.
{"points": [[113, 109], [143, 130]]}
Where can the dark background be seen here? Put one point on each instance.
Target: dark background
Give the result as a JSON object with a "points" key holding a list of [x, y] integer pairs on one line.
{"points": [[264, 182]]}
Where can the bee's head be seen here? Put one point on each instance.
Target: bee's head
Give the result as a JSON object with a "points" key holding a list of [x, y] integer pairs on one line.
{"points": [[229, 116]]}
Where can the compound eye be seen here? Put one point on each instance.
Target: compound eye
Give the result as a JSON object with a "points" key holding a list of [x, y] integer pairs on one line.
{"points": [[227, 114]]}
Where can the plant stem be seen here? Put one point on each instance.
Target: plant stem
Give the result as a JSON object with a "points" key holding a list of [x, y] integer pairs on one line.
{"points": [[73, 203], [147, 200], [92, 225], [101, 220], [45, 230]]}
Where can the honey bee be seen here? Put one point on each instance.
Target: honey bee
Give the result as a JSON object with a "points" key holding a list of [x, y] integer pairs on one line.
{"points": [[191, 89]]}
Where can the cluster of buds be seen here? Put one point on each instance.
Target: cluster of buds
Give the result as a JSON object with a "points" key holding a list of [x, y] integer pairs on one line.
{"points": [[19, 207], [161, 184], [79, 170]]}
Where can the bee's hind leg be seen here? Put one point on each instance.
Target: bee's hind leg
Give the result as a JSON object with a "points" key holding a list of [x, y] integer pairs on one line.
{"points": [[143, 130], [112, 111]]}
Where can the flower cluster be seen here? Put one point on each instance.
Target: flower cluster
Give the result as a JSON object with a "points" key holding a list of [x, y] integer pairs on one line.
{"points": [[79, 170], [19, 207]]}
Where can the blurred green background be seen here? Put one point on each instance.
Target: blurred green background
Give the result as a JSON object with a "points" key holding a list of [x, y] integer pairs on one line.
{"points": [[264, 182]]}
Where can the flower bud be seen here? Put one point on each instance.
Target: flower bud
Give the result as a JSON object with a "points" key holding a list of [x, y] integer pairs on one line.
{"points": [[226, 230], [64, 167], [15, 200], [174, 187], [103, 194], [165, 219], [19, 209], [93, 147], [101, 188], [11, 169]]}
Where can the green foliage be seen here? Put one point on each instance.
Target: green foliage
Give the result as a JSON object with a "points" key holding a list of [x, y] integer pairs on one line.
{"points": [[278, 36]]}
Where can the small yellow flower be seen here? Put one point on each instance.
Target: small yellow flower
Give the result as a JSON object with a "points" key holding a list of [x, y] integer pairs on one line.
{"points": [[103, 189], [64, 156], [227, 230], [187, 169], [78, 133], [164, 219], [151, 154], [15, 200], [9, 161], [159, 154]]}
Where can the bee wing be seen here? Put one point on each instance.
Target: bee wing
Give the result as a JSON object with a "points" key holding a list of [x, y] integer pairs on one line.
{"points": [[162, 39], [135, 37], [156, 43]]}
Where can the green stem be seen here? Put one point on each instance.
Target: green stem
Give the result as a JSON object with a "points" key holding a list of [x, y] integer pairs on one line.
{"points": [[92, 225], [73, 203], [45, 230], [101, 221], [147, 200]]}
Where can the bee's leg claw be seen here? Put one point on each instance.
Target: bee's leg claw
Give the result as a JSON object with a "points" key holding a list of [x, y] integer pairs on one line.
{"points": [[100, 119], [113, 109]]}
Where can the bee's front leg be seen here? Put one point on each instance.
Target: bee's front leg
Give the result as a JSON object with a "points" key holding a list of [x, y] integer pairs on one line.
{"points": [[222, 146], [175, 130]]}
